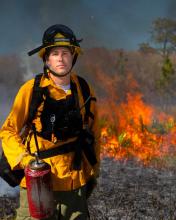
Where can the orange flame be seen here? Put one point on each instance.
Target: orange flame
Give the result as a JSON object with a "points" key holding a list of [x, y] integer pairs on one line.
{"points": [[139, 131]]}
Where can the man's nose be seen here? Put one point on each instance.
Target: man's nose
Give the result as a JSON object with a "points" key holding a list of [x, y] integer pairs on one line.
{"points": [[60, 57]]}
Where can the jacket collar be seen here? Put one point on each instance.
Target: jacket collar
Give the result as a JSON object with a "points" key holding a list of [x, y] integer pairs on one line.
{"points": [[47, 81]]}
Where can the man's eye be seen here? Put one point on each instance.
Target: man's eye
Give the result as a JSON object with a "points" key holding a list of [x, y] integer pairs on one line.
{"points": [[55, 54]]}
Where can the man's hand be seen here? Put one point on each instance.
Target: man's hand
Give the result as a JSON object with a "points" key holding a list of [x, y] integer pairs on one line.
{"points": [[25, 160]]}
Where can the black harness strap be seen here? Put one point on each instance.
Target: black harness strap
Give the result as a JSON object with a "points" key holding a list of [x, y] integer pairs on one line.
{"points": [[74, 146], [82, 143], [87, 98], [37, 98], [63, 149], [75, 93]]}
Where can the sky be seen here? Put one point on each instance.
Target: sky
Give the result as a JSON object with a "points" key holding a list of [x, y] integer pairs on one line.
{"points": [[101, 23]]}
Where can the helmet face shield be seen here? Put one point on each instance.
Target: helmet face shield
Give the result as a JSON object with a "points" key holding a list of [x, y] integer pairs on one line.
{"points": [[55, 36]]}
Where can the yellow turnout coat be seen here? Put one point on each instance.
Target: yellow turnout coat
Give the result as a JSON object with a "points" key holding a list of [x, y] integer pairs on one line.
{"points": [[63, 177]]}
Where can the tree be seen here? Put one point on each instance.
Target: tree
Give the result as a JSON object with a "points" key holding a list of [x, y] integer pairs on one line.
{"points": [[121, 62], [164, 33], [166, 75], [145, 48], [166, 84]]}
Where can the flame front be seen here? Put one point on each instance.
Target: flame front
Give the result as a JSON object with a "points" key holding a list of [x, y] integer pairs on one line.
{"points": [[137, 131]]}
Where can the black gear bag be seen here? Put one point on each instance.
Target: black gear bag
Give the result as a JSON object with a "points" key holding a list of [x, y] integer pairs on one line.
{"points": [[13, 178]]}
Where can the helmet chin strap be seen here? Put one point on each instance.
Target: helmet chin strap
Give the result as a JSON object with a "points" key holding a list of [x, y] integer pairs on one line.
{"points": [[56, 74]]}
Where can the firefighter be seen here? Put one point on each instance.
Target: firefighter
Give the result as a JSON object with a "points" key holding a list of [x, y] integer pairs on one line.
{"points": [[62, 117]]}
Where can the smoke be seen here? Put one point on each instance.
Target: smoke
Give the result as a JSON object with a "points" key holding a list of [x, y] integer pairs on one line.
{"points": [[111, 24], [11, 78]]}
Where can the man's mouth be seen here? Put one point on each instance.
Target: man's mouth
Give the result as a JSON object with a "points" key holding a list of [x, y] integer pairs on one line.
{"points": [[60, 66]]}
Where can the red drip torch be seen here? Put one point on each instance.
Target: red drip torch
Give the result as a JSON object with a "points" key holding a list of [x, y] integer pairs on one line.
{"points": [[39, 187]]}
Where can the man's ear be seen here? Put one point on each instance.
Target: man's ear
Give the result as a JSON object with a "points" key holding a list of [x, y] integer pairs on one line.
{"points": [[46, 60], [45, 57], [47, 64]]}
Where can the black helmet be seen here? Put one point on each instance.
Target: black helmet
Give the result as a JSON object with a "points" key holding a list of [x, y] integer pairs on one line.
{"points": [[58, 35]]}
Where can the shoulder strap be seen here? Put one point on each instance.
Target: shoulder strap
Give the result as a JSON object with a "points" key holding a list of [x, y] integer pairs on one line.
{"points": [[87, 97], [37, 97]]}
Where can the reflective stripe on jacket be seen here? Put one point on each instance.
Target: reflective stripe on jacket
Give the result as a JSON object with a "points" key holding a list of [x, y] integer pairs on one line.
{"points": [[63, 177]]}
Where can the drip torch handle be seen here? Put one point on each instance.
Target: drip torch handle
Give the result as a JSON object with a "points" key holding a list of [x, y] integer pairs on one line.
{"points": [[36, 143]]}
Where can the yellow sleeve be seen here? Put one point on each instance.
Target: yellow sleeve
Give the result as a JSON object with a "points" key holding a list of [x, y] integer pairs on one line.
{"points": [[13, 125], [96, 131]]}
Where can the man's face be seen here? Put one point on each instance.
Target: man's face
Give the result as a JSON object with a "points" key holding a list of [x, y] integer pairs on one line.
{"points": [[60, 60]]}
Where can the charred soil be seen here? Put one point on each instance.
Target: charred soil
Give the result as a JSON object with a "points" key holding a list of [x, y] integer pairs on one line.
{"points": [[126, 190]]}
